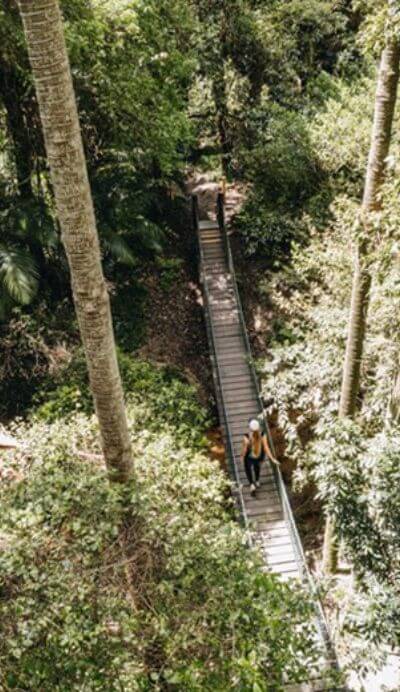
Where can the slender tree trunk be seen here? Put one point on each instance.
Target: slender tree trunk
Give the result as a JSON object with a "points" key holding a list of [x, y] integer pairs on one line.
{"points": [[330, 550], [355, 339], [385, 103], [50, 65], [393, 410], [220, 93], [220, 100], [382, 129]]}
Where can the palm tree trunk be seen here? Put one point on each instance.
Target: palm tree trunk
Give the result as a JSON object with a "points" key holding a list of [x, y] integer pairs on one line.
{"points": [[385, 103], [330, 550], [393, 409], [355, 339], [221, 107], [52, 75]]}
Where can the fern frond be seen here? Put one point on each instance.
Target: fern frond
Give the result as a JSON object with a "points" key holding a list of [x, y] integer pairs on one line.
{"points": [[117, 246], [149, 234], [18, 274]]}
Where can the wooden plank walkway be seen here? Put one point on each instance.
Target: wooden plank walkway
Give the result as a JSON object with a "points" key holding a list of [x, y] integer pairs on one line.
{"points": [[238, 401], [268, 515]]}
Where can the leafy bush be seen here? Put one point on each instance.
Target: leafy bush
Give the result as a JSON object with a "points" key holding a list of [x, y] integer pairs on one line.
{"points": [[34, 348], [358, 482], [168, 397], [264, 230], [129, 309], [311, 297], [170, 269], [353, 465], [281, 167], [147, 586], [340, 135]]}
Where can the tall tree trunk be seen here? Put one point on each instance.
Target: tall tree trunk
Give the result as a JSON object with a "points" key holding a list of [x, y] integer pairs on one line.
{"points": [[221, 107], [50, 65], [220, 92], [385, 103], [393, 410], [356, 333]]}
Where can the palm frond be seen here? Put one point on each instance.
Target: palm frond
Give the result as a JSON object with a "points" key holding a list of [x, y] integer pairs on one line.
{"points": [[149, 234], [117, 246], [18, 274], [29, 224]]}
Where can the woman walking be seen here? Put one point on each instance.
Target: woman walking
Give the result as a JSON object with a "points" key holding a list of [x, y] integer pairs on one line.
{"points": [[255, 449]]}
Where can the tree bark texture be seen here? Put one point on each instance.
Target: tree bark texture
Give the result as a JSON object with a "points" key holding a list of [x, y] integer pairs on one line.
{"points": [[44, 33], [393, 410], [330, 550], [385, 103], [220, 92], [356, 334], [381, 134], [221, 106]]}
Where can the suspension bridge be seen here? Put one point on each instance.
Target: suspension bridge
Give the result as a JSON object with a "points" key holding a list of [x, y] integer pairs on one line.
{"points": [[267, 517]]}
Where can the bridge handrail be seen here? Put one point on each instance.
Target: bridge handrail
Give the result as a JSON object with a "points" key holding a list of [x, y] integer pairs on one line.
{"points": [[210, 326], [287, 510]]}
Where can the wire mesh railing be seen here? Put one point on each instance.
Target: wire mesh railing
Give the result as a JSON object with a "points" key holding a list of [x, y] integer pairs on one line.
{"points": [[283, 494], [238, 493]]}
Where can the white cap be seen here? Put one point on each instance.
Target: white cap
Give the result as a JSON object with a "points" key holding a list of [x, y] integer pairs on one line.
{"points": [[254, 425]]}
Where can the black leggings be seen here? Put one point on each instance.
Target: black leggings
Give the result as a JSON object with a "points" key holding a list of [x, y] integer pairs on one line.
{"points": [[252, 465]]}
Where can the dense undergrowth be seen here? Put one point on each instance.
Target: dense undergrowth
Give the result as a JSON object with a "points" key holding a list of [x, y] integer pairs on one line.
{"points": [[147, 586], [172, 400], [151, 586], [306, 286]]}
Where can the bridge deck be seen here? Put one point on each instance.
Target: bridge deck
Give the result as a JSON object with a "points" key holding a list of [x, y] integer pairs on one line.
{"points": [[266, 514], [240, 402]]}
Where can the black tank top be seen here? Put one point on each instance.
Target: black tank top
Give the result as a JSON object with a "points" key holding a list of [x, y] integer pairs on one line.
{"points": [[249, 453]]}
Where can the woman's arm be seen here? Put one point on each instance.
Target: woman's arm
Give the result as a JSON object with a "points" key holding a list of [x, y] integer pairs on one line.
{"points": [[268, 451]]}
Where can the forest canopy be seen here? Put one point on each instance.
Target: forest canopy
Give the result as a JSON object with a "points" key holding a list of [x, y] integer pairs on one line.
{"points": [[148, 583]]}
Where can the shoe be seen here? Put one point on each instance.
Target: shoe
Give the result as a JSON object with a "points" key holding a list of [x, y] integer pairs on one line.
{"points": [[253, 489], [258, 484]]}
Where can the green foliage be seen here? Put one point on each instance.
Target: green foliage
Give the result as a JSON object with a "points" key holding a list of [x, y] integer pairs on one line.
{"points": [[381, 21], [357, 479], [302, 376], [170, 400], [311, 295], [139, 67], [340, 135], [34, 347], [353, 465], [282, 169], [305, 36], [29, 240], [282, 165], [170, 269], [270, 50], [137, 587], [18, 277], [129, 305], [264, 230], [132, 68]]}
